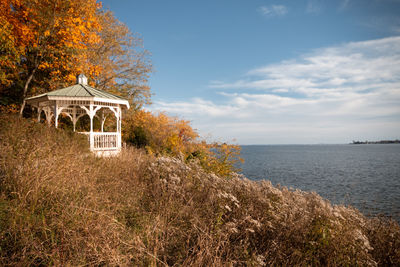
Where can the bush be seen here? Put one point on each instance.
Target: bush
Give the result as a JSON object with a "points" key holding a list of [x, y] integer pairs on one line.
{"points": [[164, 135], [138, 137]]}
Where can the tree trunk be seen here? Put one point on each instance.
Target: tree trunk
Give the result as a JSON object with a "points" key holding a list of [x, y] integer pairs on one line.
{"points": [[28, 81]]}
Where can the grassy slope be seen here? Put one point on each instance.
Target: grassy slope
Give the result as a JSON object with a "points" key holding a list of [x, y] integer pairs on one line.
{"points": [[60, 205]]}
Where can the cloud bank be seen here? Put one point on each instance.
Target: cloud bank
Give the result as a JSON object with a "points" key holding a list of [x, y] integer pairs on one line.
{"points": [[330, 95]]}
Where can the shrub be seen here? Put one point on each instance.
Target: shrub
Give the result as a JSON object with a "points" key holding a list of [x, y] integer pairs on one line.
{"points": [[164, 135]]}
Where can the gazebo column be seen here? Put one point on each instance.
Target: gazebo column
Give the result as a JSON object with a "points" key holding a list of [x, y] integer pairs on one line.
{"points": [[49, 115], [91, 136], [119, 126], [39, 112], [57, 111], [55, 114], [117, 119], [74, 120], [103, 120], [91, 117], [117, 114]]}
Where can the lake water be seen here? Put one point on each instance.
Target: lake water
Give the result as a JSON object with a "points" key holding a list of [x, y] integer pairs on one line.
{"points": [[364, 176]]}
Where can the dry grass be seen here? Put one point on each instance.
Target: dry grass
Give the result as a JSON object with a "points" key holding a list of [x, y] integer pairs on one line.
{"points": [[59, 205]]}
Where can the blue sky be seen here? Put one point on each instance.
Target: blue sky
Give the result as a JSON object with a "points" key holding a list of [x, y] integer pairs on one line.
{"points": [[274, 72]]}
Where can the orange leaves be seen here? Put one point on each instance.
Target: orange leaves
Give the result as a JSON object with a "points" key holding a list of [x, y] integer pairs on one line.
{"points": [[48, 38], [166, 134], [70, 77], [162, 134], [14, 37], [44, 65], [45, 43]]}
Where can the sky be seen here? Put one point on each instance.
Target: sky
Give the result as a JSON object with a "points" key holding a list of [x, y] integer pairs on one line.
{"points": [[273, 72]]}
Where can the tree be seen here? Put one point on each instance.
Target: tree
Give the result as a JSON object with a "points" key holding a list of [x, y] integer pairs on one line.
{"points": [[46, 43], [119, 63], [50, 37], [15, 35]]}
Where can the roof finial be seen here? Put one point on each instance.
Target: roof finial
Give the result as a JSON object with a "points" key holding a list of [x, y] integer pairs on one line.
{"points": [[81, 79]]}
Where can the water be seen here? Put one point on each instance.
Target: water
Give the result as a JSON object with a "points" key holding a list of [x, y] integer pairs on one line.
{"points": [[364, 176]]}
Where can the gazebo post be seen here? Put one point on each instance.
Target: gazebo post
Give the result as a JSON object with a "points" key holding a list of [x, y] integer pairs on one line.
{"points": [[102, 120], [39, 112], [117, 120], [55, 114], [47, 112], [119, 124], [74, 116], [120, 118], [116, 113], [91, 137]]}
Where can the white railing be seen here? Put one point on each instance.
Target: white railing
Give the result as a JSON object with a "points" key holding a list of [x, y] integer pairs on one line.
{"points": [[103, 141]]}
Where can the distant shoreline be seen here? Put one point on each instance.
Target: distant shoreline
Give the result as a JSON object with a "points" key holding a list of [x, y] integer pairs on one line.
{"points": [[375, 142], [329, 144]]}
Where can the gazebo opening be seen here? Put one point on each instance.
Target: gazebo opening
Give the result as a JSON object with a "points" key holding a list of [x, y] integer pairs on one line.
{"points": [[82, 103]]}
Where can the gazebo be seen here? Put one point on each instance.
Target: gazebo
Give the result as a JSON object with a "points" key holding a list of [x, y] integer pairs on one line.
{"points": [[78, 100]]}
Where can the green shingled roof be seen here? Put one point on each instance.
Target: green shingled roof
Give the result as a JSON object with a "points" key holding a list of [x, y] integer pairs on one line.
{"points": [[80, 90]]}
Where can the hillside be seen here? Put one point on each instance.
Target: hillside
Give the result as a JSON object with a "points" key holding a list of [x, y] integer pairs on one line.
{"points": [[59, 205]]}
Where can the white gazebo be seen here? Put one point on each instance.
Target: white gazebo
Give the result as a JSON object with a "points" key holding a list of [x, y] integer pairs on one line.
{"points": [[79, 100]]}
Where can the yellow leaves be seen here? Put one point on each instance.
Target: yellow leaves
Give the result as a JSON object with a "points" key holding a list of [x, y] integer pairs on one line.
{"points": [[44, 65], [12, 108], [170, 135], [14, 35], [71, 77], [78, 21], [61, 34], [95, 70], [167, 134], [63, 38]]}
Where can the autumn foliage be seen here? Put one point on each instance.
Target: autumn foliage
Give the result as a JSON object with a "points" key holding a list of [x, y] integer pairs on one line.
{"points": [[46, 43], [165, 135]]}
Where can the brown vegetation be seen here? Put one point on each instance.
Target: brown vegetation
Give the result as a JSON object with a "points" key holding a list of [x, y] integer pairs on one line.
{"points": [[59, 205]]}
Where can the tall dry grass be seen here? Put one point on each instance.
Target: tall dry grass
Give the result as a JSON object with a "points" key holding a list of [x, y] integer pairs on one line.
{"points": [[59, 205]]}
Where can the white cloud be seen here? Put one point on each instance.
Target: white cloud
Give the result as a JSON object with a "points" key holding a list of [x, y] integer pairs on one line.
{"points": [[273, 10], [335, 94], [353, 66]]}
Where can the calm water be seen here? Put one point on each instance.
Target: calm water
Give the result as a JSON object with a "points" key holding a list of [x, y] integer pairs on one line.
{"points": [[364, 176]]}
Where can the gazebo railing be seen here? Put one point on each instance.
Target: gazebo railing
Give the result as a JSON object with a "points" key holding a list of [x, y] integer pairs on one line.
{"points": [[103, 140]]}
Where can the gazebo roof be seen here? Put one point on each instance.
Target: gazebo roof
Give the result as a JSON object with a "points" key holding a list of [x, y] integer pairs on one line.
{"points": [[78, 92]]}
